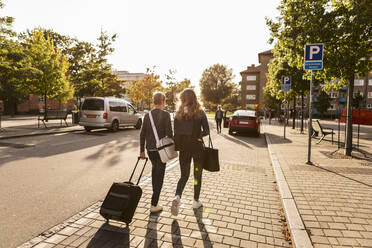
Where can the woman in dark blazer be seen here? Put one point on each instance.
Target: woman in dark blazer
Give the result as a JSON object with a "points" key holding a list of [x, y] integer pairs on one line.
{"points": [[190, 126]]}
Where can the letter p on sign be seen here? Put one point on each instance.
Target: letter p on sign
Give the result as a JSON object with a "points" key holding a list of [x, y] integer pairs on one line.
{"points": [[314, 52]]}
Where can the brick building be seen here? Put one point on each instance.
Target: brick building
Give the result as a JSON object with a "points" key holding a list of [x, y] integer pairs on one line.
{"points": [[254, 80], [34, 104]]}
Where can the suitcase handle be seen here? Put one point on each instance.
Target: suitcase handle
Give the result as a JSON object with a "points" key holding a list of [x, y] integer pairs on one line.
{"points": [[135, 167]]}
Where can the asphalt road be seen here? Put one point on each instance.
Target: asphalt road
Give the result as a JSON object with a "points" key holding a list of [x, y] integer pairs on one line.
{"points": [[44, 180]]}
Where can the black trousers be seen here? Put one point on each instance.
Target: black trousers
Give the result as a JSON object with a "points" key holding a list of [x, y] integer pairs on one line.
{"points": [[157, 174], [218, 122], [185, 164]]}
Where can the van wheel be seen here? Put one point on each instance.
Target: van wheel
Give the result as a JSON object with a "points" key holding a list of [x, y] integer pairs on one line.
{"points": [[114, 126], [139, 124], [230, 132], [88, 129]]}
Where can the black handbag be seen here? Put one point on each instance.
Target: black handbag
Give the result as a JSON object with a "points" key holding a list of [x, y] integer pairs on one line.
{"points": [[210, 157]]}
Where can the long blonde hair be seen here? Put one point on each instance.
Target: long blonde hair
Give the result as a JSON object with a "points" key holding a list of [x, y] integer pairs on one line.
{"points": [[189, 107]]}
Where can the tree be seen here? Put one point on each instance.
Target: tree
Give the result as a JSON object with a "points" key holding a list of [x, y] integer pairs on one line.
{"points": [[15, 71], [173, 88], [232, 102], [143, 90], [52, 67], [357, 100], [15, 66], [323, 103], [135, 92], [216, 84], [345, 29]]}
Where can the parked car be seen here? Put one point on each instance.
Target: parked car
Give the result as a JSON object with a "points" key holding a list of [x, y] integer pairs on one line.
{"points": [[108, 112], [245, 121]]}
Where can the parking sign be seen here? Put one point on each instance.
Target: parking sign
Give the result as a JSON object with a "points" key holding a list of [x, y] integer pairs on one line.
{"points": [[286, 83], [314, 57]]}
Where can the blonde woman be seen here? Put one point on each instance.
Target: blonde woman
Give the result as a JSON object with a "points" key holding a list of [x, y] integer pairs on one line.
{"points": [[190, 126]]}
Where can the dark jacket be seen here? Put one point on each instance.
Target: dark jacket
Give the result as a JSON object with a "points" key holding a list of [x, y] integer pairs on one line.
{"points": [[219, 115], [188, 133], [163, 126]]}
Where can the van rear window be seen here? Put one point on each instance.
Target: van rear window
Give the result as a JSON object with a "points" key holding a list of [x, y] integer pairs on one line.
{"points": [[93, 104]]}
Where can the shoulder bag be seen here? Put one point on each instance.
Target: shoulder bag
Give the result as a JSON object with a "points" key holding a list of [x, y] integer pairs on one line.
{"points": [[210, 157], [165, 146]]}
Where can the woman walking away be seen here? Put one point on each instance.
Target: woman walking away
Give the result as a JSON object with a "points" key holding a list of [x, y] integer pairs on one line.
{"points": [[190, 126], [218, 117], [163, 126]]}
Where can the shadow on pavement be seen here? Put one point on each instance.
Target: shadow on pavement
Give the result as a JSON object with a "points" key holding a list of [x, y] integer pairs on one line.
{"points": [[176, 235], [236, 140], [110, 236], [360, 171], [52, 146], [275, 139], [204, 233], [151, 238]]}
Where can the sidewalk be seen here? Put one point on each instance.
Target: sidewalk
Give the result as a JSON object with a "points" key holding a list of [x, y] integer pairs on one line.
{"points": [[333, 196], [241, 209], [23, 126]]}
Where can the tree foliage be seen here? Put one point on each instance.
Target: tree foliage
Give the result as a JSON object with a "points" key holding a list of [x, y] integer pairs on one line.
{"points": [[216, 84], [323, 103], [51, 66], [143, 90], [345, 29]]}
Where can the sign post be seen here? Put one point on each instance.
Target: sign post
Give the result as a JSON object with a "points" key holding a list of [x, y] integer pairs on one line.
{"points": [[286, 86], [313, 61]]}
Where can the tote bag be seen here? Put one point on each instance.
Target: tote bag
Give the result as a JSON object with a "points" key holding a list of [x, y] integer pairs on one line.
{"points": [[210, 157], [165, 146]]}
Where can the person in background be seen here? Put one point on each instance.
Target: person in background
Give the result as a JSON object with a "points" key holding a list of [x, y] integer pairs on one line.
{"points": [[163, 126], [218, 117], [190, 126]]}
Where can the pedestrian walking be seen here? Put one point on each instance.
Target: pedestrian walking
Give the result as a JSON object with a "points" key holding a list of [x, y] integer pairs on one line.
{"points": [[163, 126], [218, 117], [190, 126]]}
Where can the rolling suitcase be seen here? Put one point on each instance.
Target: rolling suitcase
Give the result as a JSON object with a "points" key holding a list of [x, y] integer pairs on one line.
{"points": [[122, 199]]}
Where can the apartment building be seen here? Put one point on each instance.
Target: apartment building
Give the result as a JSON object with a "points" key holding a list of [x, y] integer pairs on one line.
{"points": [[254, 80]]}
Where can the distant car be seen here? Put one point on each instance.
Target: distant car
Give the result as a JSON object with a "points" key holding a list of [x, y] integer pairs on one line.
{"points": [[245, 121], [108, 112]]}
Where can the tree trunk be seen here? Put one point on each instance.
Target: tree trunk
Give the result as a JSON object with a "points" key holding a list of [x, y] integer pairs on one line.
{"points": [[45, 106], [302, 112], [294, 113], [349, 118], [365, 91]]}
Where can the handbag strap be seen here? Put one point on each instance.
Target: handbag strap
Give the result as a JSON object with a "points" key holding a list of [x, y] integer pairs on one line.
{"points": [[154, 129], [210, 141]]}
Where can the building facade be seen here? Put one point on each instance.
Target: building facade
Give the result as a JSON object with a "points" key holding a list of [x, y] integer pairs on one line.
{"points": [[253, 82]]}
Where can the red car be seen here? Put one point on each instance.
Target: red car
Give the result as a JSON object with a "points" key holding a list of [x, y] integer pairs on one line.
{"points": [[245, 121]]}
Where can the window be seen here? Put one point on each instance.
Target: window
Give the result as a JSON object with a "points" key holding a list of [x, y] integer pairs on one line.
{"points": [[358, 93], [333, 94], [93, 104], [358, 82], [251, 87], [250, 97], [370, 82], [131, 109], [370, 94], [251, 78]]}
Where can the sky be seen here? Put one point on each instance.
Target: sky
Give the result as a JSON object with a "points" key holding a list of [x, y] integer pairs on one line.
{"points": [[183, 35]]}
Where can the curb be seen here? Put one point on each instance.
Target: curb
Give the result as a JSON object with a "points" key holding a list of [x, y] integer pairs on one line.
{"points": [[38, 134], [57, 228], [299, 235]]}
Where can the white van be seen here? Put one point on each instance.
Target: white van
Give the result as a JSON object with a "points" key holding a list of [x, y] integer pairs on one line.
{"points": [[108, 112]]}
